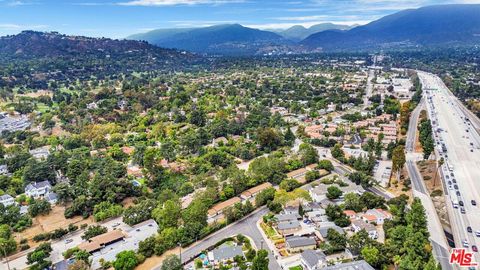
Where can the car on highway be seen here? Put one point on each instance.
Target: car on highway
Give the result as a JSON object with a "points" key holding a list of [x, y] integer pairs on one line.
{"points": [[477, 233], [465, 243], [462, 210], [449, 183], [455, 186], [68, 241], [474, 248], [469, 229], [474, 203], [454, 180], [458, 193], [460, 203]]}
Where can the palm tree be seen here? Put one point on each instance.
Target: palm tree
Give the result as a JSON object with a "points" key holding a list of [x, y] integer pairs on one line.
{"points": [[440, 162]]}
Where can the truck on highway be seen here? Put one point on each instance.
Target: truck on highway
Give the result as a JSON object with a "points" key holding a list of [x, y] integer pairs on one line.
{"points": [[455, 203]]}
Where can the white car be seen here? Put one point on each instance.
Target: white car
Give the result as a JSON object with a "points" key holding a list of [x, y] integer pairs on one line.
{"points": [[465, 243]]}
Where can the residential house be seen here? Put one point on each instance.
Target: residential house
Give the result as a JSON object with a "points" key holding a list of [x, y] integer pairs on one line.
{"points": [[40, 153], [377, 215], [317, 215], [288, 227], [252, 192], [358, 225], [323, 230], [38, 189], [350, 214], [312, 260], [287, 217], [225, 253], [357, 265], [6, 200], [290, 210], [296, 244], [3, 169], [51, 197], [218, 208]]}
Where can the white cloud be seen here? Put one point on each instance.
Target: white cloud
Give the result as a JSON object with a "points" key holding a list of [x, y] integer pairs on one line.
{"points": [[176, 2], [12, 26]]}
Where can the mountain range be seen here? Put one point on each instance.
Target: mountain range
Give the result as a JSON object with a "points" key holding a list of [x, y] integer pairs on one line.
{"points": [[299, 32], [427, 26]]}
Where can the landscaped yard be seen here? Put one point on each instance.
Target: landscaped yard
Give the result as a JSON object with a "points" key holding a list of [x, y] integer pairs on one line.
{"points": [[269, 231], [298, 267]]}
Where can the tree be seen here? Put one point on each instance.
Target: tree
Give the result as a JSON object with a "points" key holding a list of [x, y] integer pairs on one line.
{"points": [[125, 260], [172, 262], [333, 192], [260, 262], [398, 159], [269, 138], [337, 152], [39, 207], [264, 196], [37, 258], [289, 184], [337, 241], [7, 242], [167, 216], [441, 161], [93, 231], [371, 255], [308, 154], [139, 212], [326, 165]]}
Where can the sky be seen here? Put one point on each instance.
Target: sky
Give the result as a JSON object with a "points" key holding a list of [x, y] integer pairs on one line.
{"points": [[120, 18]]}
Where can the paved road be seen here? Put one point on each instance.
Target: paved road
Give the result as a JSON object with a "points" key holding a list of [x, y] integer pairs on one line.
{"points": [[462, 142], [246, 226], [437, 235]]}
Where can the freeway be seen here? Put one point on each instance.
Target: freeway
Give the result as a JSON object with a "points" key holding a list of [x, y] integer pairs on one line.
{"points": [[455, 134], [437, 236]]}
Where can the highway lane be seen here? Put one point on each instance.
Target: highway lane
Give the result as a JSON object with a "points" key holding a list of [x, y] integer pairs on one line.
{"points": [[455, 132], [437, 237]]}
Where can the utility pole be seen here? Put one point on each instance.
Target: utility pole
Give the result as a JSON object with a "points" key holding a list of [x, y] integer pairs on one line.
{"points": [[180, 246], [5, 256]]}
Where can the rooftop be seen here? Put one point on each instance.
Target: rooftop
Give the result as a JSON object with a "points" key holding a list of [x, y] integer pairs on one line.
{"points": [[357, 265], [300, 241]]}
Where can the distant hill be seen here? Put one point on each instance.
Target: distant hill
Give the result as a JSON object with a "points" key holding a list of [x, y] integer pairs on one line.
{"points": [[426, 26], [227, 39], [298, 32], [51, 55]]}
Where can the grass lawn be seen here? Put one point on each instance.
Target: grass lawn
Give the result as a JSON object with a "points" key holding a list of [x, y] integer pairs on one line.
{"points": [[298, 267]]}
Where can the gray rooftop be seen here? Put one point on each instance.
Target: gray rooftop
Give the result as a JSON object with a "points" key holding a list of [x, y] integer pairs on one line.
{"points": [[287, 225], [38, 185], [312, 257], [5, 197], [324, 230], [357, 265], [225, 252], [287, 217], [300, 241]]}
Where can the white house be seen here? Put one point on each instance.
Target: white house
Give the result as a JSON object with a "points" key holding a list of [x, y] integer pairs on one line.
{"points": [[3, 169], [40, 153], [378, 215], [38, 189], [358, 225], [6, 200]]}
